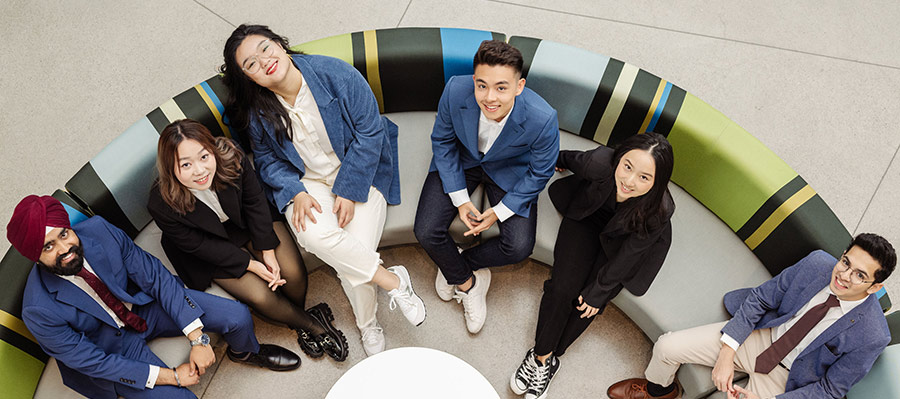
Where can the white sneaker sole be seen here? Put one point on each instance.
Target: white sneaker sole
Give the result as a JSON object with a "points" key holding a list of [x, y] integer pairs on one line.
{"points": [[419, 319], [485, 279], [513, 386], [444, 290]]}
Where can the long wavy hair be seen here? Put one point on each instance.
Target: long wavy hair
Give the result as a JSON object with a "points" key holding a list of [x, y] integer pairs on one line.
{"points": [[245, 97], [648, 211], [228, 162]]}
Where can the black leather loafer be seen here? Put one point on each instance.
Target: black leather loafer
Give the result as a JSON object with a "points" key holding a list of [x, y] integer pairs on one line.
{"points": [[309, 344], [272, 357], [333, 342]]}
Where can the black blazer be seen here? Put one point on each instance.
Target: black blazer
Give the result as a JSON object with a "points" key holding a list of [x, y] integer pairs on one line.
{"points": [[202, 248], [632, 260]]}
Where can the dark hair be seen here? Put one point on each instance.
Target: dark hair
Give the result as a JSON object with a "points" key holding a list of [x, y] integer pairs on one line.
{"points": [[498, 52], [245, 97], [881, 250], [227, 155], [648, 210]]}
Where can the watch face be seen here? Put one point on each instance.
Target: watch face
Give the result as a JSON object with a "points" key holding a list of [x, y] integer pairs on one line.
{"points": [[204, 339]]}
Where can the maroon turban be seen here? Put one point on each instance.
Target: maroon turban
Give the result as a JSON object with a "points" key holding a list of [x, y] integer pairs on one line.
{"points": [[28, 226]]}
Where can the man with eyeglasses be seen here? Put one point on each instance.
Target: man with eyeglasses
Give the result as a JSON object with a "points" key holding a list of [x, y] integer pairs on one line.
{"points": [[811, 332]]}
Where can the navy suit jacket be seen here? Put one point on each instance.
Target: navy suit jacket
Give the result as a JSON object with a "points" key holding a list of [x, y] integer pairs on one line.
{"points": [[70, 326], [364, 141], [837, 358], [520, 161]]}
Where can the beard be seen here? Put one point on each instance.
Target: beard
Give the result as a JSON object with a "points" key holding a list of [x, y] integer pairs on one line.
{"points": [[74, 265]]}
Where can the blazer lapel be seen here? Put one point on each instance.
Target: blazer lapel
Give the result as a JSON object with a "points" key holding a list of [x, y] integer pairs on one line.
{"points": [[512, 130], [206, 219], [469, 114], [68, 293], [329, 107], [838, 327], [229, 199]]}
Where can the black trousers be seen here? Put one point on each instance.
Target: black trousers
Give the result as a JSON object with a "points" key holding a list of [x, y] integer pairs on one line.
{"points": [[578, 258]]}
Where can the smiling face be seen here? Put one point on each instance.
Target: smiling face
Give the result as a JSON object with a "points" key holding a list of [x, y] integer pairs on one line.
{"points": [[634, 174], [496, 88], [264, 61], [861, 264], [195, 166], [62, 253]]}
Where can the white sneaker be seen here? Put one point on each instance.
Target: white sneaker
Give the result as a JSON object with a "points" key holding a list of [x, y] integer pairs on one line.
{"points": [[372, 339], [403, 296], [475, 301], [444, 290], [521, 379]]}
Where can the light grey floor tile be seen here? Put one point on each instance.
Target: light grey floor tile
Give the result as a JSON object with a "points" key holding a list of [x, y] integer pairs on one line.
{"points": [[883, 218], [832, 28], [311, 19], [77, 74], [822, 116]]}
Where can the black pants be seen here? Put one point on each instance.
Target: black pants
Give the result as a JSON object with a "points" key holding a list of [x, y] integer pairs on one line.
{"points": [[578, 258]]}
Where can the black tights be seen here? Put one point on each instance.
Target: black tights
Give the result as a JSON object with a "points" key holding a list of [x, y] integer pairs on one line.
{"points": [[288, 303]]}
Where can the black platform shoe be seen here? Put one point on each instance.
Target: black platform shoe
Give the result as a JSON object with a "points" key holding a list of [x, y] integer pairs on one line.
{"points": [[309, 344], [272, 357], [333, 342]]}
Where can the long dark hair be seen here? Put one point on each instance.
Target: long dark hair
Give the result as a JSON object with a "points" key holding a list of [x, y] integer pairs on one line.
{"points": [[245, 97], [227, 155], [649, 210]]}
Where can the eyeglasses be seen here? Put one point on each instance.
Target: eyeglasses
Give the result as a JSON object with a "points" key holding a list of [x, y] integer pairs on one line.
{"points": [[265, 49], [857, 276]]}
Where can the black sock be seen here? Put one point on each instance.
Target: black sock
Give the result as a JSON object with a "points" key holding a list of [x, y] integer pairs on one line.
{"points": [[239, 355], [659, 390]]}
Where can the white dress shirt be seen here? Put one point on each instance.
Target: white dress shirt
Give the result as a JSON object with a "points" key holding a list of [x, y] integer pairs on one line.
{"points": [[310, 138], [84, 286], [211, 199], [488, 131], [831, 316]]}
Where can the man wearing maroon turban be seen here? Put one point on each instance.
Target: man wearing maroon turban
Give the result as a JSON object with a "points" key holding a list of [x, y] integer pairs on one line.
{"points": [[94, 298]]}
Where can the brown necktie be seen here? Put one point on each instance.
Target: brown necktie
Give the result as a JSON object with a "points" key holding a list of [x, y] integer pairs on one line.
{"points": [[769, 358], [128, 317]]}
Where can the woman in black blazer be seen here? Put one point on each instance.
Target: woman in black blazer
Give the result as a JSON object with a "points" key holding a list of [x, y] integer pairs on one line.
{"points": [[216, 227], [615, 233]]}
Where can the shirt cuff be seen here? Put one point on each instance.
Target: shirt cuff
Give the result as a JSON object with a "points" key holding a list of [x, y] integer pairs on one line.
{"points": [[729, 341], [502, 212], [151, 378], [193, 326], [459, 197]]}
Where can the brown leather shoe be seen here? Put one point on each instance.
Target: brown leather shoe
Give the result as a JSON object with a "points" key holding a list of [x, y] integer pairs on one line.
{"points": [[636, 388]]}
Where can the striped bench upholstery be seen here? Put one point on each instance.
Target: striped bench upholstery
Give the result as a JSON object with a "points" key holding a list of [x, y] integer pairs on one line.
{"points": [[771, 209]]}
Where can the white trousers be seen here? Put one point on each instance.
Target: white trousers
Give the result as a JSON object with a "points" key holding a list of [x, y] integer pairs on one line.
{"points": [[351, 250], [701, 345]]}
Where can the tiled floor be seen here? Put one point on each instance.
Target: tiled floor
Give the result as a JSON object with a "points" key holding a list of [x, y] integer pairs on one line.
{"points": [[817, 82]]}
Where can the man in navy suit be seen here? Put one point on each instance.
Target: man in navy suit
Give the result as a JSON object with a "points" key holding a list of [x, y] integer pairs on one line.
{"points": [[94, 298], [492, 131], [811, 332]]}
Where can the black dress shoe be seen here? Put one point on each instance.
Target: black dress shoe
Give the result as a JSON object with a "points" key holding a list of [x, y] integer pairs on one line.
{"points": [[309, 344], [272, 357], [333, 342]]}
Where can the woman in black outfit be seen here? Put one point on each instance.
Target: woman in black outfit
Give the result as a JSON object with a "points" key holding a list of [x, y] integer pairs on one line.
{"points": [[615, 233], [217, 227]]}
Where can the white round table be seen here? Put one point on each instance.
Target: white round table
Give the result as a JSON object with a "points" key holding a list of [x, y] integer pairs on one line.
{"points": [[412, 373]]}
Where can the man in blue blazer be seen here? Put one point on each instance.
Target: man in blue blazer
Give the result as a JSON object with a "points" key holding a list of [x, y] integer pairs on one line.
{"points": [[811, 332], [94, 298], [490, 130]]}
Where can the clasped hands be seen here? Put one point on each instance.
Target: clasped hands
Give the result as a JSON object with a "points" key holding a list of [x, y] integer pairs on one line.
{"points": [[476, 221], [202, 356], [268, 269]]}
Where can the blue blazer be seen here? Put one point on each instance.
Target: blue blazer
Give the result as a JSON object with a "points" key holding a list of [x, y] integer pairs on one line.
{"points": [[837, 358], [364, 141], [70, 326], [520, 161]]}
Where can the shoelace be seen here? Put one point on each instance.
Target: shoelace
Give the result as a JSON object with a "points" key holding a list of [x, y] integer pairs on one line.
{"points": [[540, 378], [401, 298], [371, 335], [463, 297], [528, 369]]}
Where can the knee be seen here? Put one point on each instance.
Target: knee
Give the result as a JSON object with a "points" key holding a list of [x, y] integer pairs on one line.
{"points": [[427, 232], [518, 249], [664, 345], [318, 241], [559, 292], [237, 316]]}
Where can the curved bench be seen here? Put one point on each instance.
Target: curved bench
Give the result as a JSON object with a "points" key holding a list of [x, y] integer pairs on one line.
{"points": [[742, 213]]}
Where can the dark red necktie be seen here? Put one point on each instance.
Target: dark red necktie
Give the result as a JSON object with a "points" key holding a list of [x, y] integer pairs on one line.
{"points": [[128, 317], [769, 358]]}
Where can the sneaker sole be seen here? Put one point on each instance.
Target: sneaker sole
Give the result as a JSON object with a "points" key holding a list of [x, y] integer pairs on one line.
{"points": [[513, 386], [445, 296], [487, 282]]}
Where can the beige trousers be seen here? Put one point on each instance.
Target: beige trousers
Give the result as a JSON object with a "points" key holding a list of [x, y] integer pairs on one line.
{"points": [[351, 250], [701, 345]]}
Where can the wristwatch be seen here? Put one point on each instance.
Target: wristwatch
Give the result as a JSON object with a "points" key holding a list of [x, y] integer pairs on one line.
{"points": [[203, 339]]}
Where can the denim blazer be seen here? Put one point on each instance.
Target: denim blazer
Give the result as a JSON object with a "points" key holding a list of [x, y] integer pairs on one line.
{"points": [[364, 141]]}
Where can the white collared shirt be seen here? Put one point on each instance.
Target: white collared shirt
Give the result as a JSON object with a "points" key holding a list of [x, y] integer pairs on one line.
{"points": [[84, 286], [830, 318], [310, 138], [211, 199], [488, 131]]}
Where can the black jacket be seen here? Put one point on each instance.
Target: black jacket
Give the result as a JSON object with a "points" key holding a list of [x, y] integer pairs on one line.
{"points": [[633, 260], [202, 248]]}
